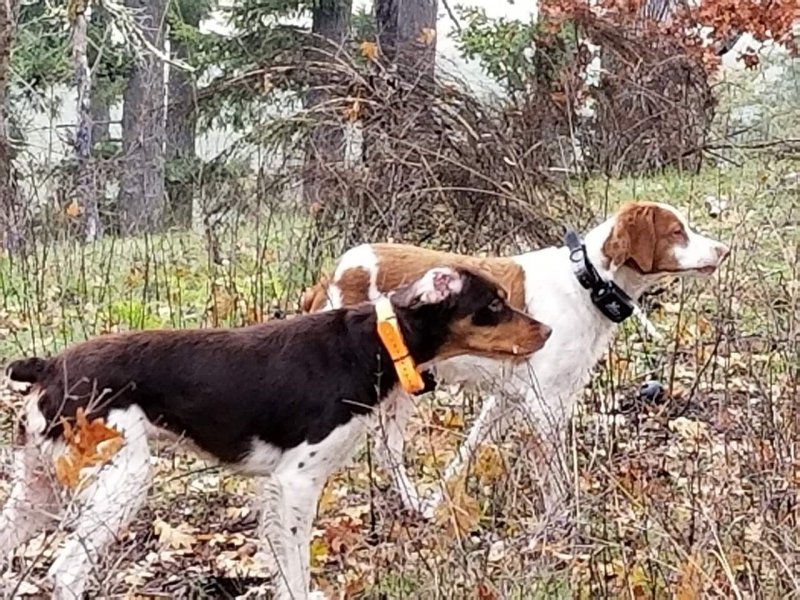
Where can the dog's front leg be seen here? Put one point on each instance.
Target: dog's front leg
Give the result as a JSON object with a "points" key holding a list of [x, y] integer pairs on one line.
{"points": [[290, 505], [390, 446], [549, 453], [488, 418]]}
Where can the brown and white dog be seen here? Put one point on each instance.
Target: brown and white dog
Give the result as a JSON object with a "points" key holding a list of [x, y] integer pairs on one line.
{"points": [[286, 400], [568, 288]]}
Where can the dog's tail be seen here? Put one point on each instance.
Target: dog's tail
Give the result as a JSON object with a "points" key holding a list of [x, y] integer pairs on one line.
{"points": [[314, 297], [26, 371]]}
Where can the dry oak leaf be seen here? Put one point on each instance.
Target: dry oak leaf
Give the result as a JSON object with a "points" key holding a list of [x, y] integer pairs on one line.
{"points": [[462, 513], [341, 535], [88, 444], [178, 538], [369, 50]]}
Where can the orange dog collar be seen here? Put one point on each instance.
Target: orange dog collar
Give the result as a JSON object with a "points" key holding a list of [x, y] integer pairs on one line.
{"points": [[392, 338]]}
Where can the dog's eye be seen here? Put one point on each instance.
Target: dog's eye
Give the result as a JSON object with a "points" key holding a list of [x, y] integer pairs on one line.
{"points": [[496, 305]]}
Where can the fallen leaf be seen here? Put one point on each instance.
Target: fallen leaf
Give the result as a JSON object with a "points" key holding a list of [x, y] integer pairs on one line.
{"points": [[328, 499], [689, 430], [688, 587], [73, 209], [462, 513], [489, 465], [426, 36], [452, 419], [87, 444], [369, 50], [318, 551], [341, 535], [176, 538], [352, 111]]}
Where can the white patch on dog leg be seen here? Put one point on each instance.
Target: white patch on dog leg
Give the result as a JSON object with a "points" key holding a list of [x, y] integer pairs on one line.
{"points": [[488, 417], [110, 501], [390, 441], [647, 323], [290, 499]]}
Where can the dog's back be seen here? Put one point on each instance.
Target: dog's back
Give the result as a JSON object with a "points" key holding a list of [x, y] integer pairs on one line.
{"points": [[369, 270]]}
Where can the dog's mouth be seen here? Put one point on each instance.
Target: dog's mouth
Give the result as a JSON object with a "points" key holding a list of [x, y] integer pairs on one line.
{"points": [[707, 270], [520, 353]]}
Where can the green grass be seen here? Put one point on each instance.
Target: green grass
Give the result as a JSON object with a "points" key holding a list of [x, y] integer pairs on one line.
{"points": [[62, 292]]}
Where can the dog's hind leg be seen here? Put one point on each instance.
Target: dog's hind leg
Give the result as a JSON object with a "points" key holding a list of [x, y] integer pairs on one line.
{"points": [[110, 501]]}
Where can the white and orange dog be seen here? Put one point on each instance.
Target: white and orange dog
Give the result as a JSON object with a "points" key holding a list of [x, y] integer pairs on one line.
{"points": [[582, 290]]}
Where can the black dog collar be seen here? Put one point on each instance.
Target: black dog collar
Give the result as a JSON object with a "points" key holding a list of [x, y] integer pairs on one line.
{"points": [[607, 296]]}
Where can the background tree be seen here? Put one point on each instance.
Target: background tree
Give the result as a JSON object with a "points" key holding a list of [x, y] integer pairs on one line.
{"points": [[330, 26], [141, 187], [8, 202], [102, 89], [183, 172], [407, 33], [85, 190]]}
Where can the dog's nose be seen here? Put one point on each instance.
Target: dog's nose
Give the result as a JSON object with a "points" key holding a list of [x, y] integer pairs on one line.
{"points": [[722, 252], [545, 331]]}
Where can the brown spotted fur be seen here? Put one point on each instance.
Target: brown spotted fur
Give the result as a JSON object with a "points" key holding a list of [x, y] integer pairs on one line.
{"points": [[643, 238], [409, 263]]}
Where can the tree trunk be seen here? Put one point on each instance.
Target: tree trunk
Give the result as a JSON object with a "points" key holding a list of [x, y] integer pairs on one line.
{"points": [[84, 193], [100, 109], [407, 35], [141, 189], [11, 222], [330, 26], [101, 117], [181, 133]]}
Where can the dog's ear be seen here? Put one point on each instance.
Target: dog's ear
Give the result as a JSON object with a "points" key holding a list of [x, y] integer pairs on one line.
{"points": [[436, 286], [633, 237]]}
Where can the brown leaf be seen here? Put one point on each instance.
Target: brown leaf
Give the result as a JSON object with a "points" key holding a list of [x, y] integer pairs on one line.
{"points": [[341, 535], [352, 112], [177, 538], [489, 465], [484, 592], [369, 50], [87, 444], [462, 514], [426, 36], [73, 209], [689, 584]]}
